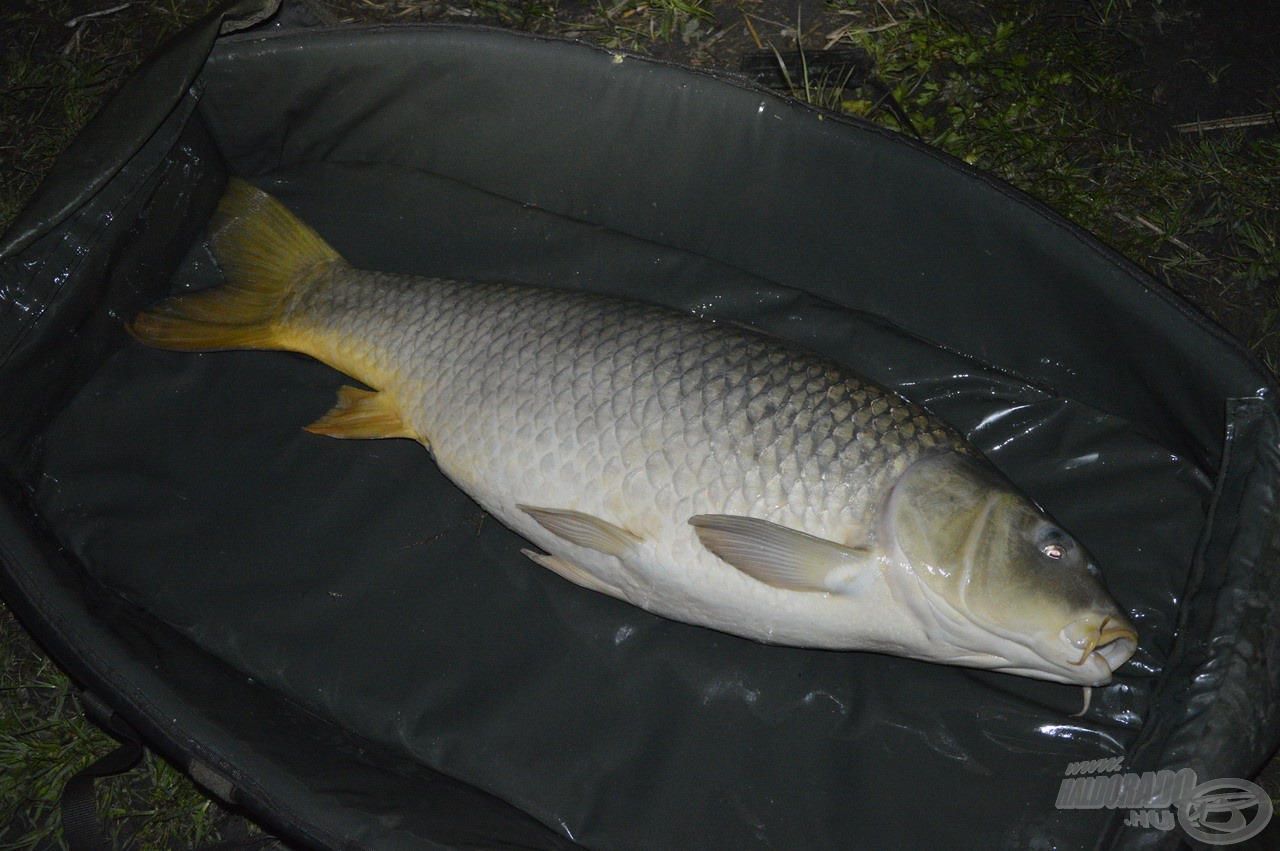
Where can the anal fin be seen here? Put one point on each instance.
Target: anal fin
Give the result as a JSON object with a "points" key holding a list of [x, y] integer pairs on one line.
{"points": [[577, 575], [362, 414]]}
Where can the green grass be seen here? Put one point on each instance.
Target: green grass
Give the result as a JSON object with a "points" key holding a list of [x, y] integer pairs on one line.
{"points": [[44, 740], [53, 77], [46, 102], [1043, 105], [630, 24], [635, 23]]}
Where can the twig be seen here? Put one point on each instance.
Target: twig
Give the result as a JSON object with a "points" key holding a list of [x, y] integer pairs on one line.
{"points": [[716, 36], [1139, 220], [850, 29], [476, 520], [79, 19], [764, 20], [1256, 120], [74, 41], [751, 29]]}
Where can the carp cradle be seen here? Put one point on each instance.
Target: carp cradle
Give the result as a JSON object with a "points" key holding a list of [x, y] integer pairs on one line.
{"points": [[327, 634]]}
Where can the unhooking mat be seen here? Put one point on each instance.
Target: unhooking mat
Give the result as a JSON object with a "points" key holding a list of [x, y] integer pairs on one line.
{"points": [[333, 636]]}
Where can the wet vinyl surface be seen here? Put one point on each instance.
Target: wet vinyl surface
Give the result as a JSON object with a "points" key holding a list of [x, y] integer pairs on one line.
{"points": [[354, 579]]}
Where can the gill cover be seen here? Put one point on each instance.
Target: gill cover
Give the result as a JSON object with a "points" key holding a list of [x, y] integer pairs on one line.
{"points": [[998, 580]]}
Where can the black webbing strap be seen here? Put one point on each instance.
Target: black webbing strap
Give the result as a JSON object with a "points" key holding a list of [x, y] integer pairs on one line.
{"points": [[80, 827]]}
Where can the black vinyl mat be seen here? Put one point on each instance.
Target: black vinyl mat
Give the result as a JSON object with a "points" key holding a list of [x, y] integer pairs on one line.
{"points": [[353, 578], [342, 635]]}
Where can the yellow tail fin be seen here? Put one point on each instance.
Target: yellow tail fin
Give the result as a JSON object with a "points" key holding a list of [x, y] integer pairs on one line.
{"points": [[264, 252]]}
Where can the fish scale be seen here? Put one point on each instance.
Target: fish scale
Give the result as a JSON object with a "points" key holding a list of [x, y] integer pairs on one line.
{"points": [[700, 470], [730, 399]]}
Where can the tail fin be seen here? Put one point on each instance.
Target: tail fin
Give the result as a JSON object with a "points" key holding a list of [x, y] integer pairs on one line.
{"points": [[265, 252]]}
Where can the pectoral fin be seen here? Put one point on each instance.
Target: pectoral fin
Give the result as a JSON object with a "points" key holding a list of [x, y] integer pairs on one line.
{"points": [[576, 575], [362, 414], [782, 557], [583, 529]]}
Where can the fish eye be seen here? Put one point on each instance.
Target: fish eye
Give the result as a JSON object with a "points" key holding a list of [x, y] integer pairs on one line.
{"points": [[1054, 544]]}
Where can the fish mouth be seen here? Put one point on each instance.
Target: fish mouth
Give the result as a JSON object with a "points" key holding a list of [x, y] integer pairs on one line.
{"points": [[1096, 647], [1112, 641]]}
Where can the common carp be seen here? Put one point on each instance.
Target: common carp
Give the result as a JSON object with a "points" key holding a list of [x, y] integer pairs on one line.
{"points": [[699, 470]]}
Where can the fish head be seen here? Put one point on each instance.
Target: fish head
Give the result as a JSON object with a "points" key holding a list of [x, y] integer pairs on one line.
{"points": [[996, 583]]}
